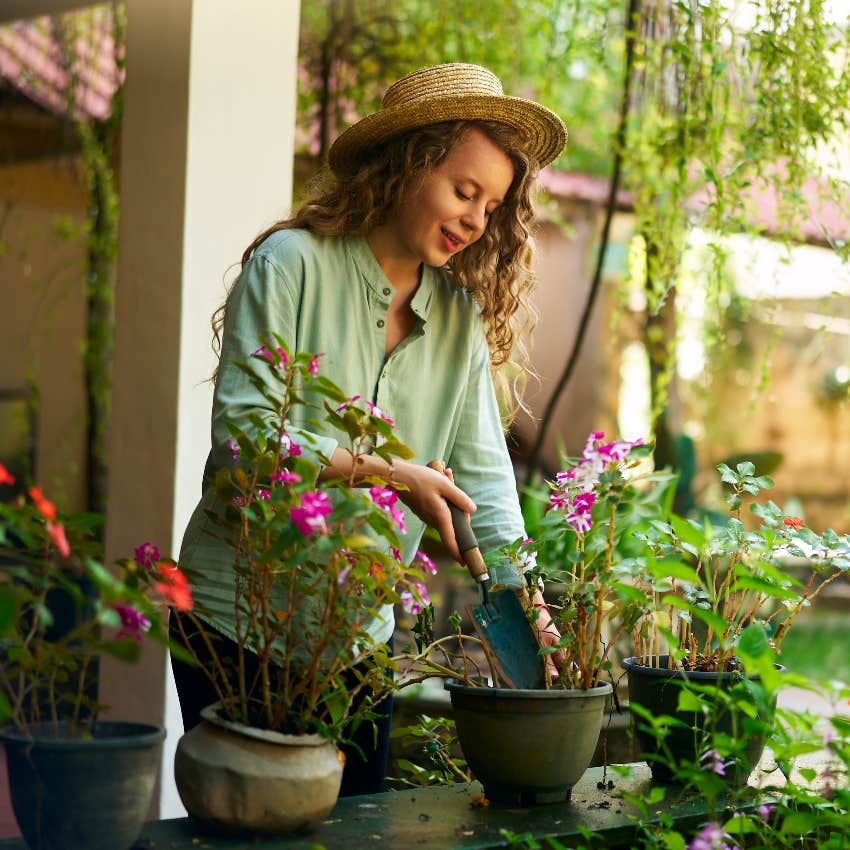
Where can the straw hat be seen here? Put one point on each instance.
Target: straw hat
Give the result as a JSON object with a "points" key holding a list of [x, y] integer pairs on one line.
{"points": [[452, 92]]}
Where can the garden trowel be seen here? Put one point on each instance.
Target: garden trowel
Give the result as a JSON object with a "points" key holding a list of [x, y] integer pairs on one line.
{"points": [[501, 622]]}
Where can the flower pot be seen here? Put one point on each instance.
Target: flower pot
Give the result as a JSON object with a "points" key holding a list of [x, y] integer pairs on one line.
{"points": [[657, 689], [238, 779], [74, 792], [527, 746]]}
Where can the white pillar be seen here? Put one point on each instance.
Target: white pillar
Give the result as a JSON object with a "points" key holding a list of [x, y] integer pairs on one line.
{"points": [[206, 163]]}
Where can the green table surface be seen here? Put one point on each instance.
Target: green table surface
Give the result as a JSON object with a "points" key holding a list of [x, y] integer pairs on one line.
{"points": [[446, 818]]}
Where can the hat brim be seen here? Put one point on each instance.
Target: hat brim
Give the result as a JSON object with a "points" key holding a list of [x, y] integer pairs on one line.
{"points": [[544, 130]]}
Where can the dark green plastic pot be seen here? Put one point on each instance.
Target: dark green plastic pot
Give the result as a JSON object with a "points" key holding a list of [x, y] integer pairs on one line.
{"points": [[527, 746], [75, 793], [657, 689]]}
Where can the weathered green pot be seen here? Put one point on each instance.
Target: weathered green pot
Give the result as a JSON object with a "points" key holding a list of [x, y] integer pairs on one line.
{"points": [[527, 746], [70, 793], [238, 779], [657, 689]]}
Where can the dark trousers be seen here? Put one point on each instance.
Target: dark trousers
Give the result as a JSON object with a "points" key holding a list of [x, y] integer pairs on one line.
{"points": [[195, 691]]}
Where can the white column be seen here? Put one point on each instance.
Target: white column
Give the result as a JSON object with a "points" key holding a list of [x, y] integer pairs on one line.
{"points": [[206, 163]]}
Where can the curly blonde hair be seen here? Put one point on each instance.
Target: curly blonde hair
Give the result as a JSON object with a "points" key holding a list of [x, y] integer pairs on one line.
{"points": [[496, 269]]}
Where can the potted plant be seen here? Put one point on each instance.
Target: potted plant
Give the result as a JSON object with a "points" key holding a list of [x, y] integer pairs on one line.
{"points": [[591, 604], [312, 562], [76, 780], [715, 595]]}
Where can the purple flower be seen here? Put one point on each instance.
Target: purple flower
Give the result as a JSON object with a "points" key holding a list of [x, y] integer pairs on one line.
{"points": [[765, 811], [342, 576], [284, 476], [309, 516], [133, 623], [414, 601], [234, 448], [239, 501], [710, 837], [427, 563], [146, 555], [714, 762]]}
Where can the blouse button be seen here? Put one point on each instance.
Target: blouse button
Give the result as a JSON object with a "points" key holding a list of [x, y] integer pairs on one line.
{"points": [[387, 290], [380, 323]]}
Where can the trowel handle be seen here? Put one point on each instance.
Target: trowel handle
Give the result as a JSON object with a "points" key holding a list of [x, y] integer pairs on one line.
{"points": [[465, 536]]}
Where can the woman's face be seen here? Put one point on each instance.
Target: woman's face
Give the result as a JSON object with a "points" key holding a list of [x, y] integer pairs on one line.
{"points": [[450, 208]]}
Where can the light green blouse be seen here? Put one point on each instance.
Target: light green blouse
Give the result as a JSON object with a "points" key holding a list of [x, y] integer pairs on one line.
{"points": [[329, 295]]}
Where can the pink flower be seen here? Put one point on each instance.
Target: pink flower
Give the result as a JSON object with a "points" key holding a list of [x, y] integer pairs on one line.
{"points": [[313, 368], [288, 448], [284, 476], [426, 562], [374, 410], [395, 553], [415, 599], [710, 837], [269, 355], [765, 810], [383, 497], [714, 762], [234, 449], [57, 533], [386, 499], [146, 555], [239, 501], [309, 516], [133, 623], [263, 494], [6, 477], [346, 404]]}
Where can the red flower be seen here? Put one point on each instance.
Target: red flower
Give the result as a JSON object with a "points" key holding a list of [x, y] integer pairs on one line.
{"points": [[174, 587], [57, 532], [794, 521], [45, 506], [6, 477]]}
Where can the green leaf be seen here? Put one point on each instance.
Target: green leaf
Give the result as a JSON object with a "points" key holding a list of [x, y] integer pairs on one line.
{"points": [[763, 587], [8, 609], [799, 823], [689, 701], [5, 708], [712, 620], [656, 795], [688, 531], [669, 568], [740, 824]]}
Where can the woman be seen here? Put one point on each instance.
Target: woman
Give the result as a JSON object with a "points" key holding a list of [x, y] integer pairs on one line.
{"points": [[408, 270]]}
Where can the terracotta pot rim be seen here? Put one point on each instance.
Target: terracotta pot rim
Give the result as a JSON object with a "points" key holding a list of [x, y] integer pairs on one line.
{"points": [[528, 693], [210, 714]]}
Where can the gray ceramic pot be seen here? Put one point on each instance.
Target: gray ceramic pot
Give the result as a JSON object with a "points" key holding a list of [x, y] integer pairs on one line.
{"points": [[527, 746], [235, 778]]}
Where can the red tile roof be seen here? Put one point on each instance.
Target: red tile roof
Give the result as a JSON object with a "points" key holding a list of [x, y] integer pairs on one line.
{"points": [[33, 62]]}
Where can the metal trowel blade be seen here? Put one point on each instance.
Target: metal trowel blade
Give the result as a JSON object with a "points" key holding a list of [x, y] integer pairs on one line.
{"points": [[503, 627]]}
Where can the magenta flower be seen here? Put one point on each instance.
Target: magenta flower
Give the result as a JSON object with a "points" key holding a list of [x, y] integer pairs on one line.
{"points": [[133, 623], [383, 497], [288, 447], [234, 449], [285, 476], [714, 762], [280, 360], [309, 516], [239, 501], [374, 410], [426, 562], [263, 494], [414, 601], [313, 368], [395, 553], [397, 515], [146, 555], [346, 404]]}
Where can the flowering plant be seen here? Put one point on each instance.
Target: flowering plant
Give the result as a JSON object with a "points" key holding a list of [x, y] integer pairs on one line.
{"points": [[60, 608], [680, 588], [578, 543], [706, 586], [314, 560]]}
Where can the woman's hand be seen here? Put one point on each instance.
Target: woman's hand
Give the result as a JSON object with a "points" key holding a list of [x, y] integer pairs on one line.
{"points": [[425, 491]]}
